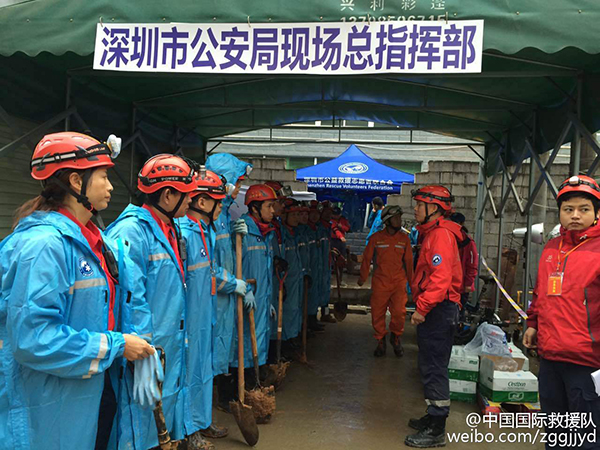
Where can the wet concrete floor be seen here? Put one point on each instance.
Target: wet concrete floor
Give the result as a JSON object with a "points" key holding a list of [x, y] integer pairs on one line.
{"points": [[348, 399]]}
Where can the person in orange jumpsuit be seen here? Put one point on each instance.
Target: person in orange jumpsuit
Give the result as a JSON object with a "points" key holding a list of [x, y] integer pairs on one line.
{"points": [[392, 267]]}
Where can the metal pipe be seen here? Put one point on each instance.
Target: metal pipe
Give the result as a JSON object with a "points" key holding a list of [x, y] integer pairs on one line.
{"points": [[577, 153], [479, 224], [500, 237], [68, 103]]}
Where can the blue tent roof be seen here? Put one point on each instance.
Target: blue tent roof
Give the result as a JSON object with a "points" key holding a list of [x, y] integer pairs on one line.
{"points": [[354, 170]]}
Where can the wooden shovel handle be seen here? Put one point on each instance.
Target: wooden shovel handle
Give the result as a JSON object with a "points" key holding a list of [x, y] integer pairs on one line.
{"points": [[240, 319]]}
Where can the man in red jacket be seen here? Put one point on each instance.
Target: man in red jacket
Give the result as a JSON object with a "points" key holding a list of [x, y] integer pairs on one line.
{"points": [[564, 315], [469, 259], [436, 286]]}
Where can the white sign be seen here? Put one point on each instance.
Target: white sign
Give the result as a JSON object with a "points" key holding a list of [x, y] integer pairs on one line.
{"points": [[332, 48]]}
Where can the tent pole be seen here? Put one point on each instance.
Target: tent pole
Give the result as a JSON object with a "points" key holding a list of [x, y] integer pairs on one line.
{"points": [[500, 236], [576, 154], [68, 103], [481, 193], [528, 249], [132, 161]]}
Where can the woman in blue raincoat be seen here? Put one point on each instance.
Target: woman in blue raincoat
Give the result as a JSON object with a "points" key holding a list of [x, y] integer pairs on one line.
{"points": [[157, 251], [233, 171], [64, 287], [203, 275], [257, 264]]}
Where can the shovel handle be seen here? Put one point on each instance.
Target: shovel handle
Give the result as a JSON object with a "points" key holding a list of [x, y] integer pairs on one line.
{"points": [[305, 319], [254, 345], [240, 319], [280, 319]]}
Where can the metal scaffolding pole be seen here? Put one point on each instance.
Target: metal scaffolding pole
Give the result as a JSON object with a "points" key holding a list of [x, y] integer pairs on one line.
{"points": [[500, 236], [528, 249], [576, 156], [481, 193], [68, 103], [131, 168]]}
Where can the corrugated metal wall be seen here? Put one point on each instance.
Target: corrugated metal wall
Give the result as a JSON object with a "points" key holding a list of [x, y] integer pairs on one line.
{"points": [[17, 186]]}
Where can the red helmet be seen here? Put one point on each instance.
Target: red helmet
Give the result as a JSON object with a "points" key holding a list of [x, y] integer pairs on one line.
{"points": [[581, 184], [68, 150], [314, 205], [209, 183], [434, 194], [166, 170], [281, 190], [259, 193], [292, 205]]}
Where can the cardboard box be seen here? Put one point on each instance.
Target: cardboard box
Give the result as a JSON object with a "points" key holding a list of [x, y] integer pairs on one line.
{"points": [[517, 353], [463, 366], [463, 391], [497, 386]]}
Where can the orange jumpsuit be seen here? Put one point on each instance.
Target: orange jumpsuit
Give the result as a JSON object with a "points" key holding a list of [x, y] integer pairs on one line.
{"points": [[392, 268]]}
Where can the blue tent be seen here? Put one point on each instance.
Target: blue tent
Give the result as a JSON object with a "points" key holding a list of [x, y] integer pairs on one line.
{"points": [[355, 171]]}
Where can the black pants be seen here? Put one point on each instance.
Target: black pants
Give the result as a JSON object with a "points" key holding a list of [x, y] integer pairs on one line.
{"points": [[569, 388], [435, 337], [108, 409]]}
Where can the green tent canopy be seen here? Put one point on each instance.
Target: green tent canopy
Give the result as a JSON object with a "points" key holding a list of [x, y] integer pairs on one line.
{"points": [[535, 55]]}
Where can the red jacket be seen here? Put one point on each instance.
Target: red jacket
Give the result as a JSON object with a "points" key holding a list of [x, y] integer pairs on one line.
{"points": [[569, 324], [438, 275], [339, 228], [469, 259]]}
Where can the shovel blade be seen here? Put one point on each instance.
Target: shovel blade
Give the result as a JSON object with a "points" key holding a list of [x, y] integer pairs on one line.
{"points": [[340, 310], [244, 416]]}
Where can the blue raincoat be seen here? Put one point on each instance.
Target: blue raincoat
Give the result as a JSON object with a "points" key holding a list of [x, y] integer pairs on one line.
{"points": [[257, 263], [316, 269], [159, 280], [201, 305], [292, 306], [376, 223], [54, 335], [303, 239], [232, 169], [324, 236]]}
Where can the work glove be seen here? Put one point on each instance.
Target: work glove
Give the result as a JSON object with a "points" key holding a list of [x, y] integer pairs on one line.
{"points": [[240, 227], [273, 312], [281, 265], [249, 301], [147, 373], [240, 287]]}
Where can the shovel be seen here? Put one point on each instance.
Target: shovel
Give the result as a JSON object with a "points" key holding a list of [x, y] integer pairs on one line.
{"points": [[277, 371], [164, 439], [303, 359], [261, 399], [243, 414]]}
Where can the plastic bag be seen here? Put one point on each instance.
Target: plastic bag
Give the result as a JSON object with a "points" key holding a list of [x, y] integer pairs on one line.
{"points": [[489, 340]]}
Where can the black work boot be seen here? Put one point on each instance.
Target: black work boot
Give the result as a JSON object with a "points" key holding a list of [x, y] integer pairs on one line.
{"points": [[226, 389], [420, 424], [397, 345], [380, 349], [314, 325], [434, 435]]}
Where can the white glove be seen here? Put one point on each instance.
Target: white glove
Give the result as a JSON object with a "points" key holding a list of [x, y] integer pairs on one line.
{"points": [[273, 312], [240, 227], [114, 143], [240, 287]]}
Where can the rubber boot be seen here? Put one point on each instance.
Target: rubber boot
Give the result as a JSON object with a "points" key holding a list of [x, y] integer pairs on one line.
{"points": [[420, 424], [197, 442], [397, 345], [381, 347], [314, 325], [226, 389], [434, 435]]}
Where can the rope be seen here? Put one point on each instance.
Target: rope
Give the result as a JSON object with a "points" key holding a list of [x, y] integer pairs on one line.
{"points": [[514, 304]]}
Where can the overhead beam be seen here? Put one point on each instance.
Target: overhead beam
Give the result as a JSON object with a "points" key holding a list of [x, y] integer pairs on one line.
{"points": [[336, 141], [530, 61]]}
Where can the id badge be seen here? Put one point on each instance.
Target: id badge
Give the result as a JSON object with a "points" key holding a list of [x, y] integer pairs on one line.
{"points": [[555, 283]]}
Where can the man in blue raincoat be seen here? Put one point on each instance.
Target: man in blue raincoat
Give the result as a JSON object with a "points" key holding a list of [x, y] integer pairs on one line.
{"points": [[233, 171], [374, 221], [157, 250], [257, 264], [325, 240], [203, 275], [317, 264], [292, 307]]}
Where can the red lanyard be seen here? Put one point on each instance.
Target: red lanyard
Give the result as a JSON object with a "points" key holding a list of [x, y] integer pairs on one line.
{"points": [[213, 280], [560, 260]]}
